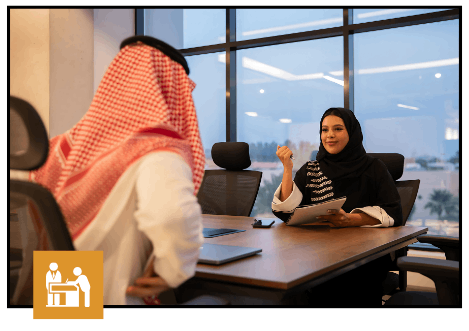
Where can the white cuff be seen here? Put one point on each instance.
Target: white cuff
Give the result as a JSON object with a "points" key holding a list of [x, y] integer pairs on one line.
{"points": [[290, 203], [378, 213]]}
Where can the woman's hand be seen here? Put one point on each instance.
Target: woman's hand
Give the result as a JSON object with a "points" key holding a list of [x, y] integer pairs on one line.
{"points": [[149, 286], [341, 219], [284, 154]]}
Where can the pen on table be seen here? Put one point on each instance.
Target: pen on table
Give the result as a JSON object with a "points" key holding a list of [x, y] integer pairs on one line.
{"points": [[66, 280]]}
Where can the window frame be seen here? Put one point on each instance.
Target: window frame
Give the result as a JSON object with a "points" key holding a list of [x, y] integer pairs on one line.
{"points": [[347, 30]]}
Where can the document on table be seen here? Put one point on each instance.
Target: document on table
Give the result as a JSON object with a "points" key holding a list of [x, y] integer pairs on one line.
{"points": [[308, 214]]}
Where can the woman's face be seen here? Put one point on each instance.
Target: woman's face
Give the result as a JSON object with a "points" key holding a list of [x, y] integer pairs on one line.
{"points": [[334, 135]]}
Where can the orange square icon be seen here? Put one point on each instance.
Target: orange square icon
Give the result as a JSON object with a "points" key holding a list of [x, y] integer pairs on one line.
{"points": [[68, 284]]}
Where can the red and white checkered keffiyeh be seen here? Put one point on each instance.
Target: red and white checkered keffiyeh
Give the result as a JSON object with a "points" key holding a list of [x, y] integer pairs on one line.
{"points": [[143, 104]]}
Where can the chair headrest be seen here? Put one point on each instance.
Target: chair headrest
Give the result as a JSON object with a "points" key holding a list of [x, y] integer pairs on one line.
{"points": [[231, 156], [393, 161], [168, 50], [29, 143]]}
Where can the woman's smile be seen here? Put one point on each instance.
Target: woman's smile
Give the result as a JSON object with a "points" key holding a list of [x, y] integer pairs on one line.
{"points": [[334, 134]]}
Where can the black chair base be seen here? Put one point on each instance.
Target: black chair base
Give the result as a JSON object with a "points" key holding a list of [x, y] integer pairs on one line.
{"points": [[413, 299], [390, 284]]}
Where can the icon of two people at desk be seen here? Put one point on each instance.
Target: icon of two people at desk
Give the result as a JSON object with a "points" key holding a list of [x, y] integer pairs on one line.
{"points": [[55, 286]]}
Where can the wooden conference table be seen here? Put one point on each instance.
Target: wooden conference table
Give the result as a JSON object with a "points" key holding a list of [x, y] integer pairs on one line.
{"points": [[292, 258]]}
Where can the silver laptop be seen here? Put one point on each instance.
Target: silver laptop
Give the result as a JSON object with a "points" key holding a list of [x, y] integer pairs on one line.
{"points": [[219, 254]]}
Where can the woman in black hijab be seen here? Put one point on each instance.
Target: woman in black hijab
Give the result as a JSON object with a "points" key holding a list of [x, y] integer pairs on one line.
{"points": [[342, 168]]}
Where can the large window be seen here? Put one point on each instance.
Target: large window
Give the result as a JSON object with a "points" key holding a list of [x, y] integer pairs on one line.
{"points": [[376, 14], [259, 23], [280, 100], [185, 28], [397, 69], [407, 101], [209, 98]]}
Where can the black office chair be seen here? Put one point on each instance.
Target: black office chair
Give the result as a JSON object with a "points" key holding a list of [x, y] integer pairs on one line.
{"points": [[232, 191], [408, 190], [445, 274], [41, 223]]}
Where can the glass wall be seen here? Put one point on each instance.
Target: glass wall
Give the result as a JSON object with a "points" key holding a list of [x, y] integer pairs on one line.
{"points": [[186, 28], [280, 100], [209, 98], [404, 89], [407, 101], [204, 27], [261, 23], [376, 14]]}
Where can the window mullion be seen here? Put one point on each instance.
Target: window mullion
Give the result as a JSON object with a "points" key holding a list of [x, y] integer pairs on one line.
{"points": [[230, 76], [348, 60], [139, 21]]}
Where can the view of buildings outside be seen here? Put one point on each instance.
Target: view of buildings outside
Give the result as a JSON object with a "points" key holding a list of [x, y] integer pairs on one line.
{"points": [[406, 83]]}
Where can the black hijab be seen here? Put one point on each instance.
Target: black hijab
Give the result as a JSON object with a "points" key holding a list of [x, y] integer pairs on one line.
{"points": [[352, 161]]}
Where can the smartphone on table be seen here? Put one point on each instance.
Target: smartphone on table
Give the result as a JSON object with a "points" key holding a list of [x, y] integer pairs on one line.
{"points": [[260, 223]]}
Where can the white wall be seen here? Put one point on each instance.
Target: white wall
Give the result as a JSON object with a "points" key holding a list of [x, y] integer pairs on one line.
{"points": [[58, 57], [29, 58], [71, 67]]}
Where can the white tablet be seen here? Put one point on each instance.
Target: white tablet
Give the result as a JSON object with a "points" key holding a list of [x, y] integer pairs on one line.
{"points": [[308, 214]]}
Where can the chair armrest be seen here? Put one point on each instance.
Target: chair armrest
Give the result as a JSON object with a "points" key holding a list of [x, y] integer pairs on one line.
{"points": [[434, 269], [206, 300], [444, 273], [435, 240], [450, 245]]}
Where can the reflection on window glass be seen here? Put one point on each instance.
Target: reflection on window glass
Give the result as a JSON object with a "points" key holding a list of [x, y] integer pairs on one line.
{"points": [[282, 93], [210, 99], [260, 23], [204, 27], [407, 101], [377, 14], [166, 25], [186, 28]]}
